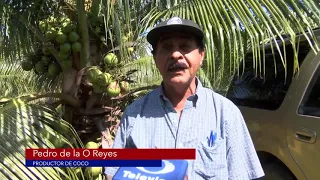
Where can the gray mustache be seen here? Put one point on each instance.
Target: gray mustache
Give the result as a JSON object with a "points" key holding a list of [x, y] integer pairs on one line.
{"points": [[178, 65]]}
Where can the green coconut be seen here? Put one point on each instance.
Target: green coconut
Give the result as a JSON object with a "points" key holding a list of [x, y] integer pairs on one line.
{"points": [[54, 69], [76, 47], [61, 37], [92, 145], [104, 79], [65, 48], [98, 89], [62, 55], [110, 59], [113, 89], [26, 65], [40, 67], [93, 74], [51, 34], [73, 37]]}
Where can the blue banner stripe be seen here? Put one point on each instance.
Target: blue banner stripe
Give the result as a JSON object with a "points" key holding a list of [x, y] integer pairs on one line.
{"points": [[93, 163]]}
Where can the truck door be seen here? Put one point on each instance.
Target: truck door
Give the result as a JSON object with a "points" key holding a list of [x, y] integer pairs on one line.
{"points": [[303, 121]]}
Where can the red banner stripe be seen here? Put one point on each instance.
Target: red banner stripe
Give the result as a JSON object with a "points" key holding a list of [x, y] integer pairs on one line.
{"points": [[116, 154]]}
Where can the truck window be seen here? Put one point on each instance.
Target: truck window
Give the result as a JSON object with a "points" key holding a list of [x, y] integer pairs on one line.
{"points": [[265, 92], [311, 103]]}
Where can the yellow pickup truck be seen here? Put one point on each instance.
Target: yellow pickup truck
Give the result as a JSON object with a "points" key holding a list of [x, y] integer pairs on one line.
{"points": [[283, 113]]}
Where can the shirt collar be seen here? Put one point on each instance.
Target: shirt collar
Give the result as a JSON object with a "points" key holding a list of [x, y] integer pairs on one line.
{"points": [[194, 97]]}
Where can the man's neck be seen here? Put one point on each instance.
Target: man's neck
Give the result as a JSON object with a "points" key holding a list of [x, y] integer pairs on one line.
{"points": [[178, 95]]}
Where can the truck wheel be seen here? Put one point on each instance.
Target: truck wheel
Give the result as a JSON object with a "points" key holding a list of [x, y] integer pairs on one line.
{"points": [[275, 171]]}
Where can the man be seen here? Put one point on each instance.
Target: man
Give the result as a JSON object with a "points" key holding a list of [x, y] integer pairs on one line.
{"points": [[182, 113]]}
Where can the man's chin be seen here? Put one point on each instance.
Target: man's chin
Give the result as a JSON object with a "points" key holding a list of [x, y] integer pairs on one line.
{"points": [[177, 80]]}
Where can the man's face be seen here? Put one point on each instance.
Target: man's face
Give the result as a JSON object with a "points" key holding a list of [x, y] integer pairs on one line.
{"points": [[178, 58]]}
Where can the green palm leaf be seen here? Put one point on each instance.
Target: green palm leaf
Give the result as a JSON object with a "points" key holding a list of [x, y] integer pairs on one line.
{"points": [[14, 81], [33, 126], [233, 27]]}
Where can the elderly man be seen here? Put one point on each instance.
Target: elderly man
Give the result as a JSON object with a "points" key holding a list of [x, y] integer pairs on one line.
{"points": [[184, 114]]}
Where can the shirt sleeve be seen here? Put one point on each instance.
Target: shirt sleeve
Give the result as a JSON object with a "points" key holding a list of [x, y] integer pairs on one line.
{"points": [[119, 142], [243, 161]]}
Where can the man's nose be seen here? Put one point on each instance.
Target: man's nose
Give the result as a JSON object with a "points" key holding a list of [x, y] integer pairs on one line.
{"points": [[176, 55]]}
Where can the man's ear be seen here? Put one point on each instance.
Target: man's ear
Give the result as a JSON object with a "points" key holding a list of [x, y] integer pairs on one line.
{"points": [[202, 56]]}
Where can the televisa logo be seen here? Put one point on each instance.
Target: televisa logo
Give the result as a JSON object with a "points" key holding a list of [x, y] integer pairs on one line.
{"points": [[168, 167], [138, 176]]}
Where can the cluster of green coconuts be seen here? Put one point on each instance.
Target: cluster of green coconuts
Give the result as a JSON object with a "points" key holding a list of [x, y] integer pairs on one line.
{"points": [[62, 34], [92, 172], [103, 82]]}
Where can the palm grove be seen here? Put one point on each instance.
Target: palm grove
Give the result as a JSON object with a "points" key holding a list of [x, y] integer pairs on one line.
{"points": [[70, 67]]}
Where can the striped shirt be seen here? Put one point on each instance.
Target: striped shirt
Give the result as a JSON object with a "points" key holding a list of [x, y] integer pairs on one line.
{"points": [[152, 122]]}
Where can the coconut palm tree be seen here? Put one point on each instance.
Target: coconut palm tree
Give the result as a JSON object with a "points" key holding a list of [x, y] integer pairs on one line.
{"points": [[62, 93]]}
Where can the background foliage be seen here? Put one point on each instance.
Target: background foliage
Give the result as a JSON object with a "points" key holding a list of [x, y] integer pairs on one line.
{"points": [[63, 111]]}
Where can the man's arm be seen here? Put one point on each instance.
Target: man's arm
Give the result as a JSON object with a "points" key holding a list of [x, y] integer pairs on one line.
{"points": [[119, 142], [243, 161]]}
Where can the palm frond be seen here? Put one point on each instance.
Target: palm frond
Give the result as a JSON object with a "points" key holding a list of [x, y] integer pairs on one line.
{"points": [[233, 27], [123, 24], [14, 81], [16, 38], [204, 79], [31, 126]]}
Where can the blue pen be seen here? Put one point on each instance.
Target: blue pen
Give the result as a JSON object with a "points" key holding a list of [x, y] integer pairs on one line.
{"points": [[212, 138], [209, 140]]}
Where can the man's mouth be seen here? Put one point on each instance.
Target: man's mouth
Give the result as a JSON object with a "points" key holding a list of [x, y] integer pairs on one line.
{"points": [[177, 67]]}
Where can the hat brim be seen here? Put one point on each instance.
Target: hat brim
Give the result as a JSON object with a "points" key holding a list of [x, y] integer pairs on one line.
{"points": [[154, 35]]}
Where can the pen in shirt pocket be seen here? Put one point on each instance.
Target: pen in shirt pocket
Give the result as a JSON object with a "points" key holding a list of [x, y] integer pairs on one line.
{"points": [[212, 138]]}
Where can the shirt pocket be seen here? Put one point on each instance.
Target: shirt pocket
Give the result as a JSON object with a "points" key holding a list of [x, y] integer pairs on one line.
{"points": [[211, 161]]}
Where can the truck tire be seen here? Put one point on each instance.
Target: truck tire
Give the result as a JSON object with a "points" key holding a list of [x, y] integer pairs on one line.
{"points": [[276, 171]]}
